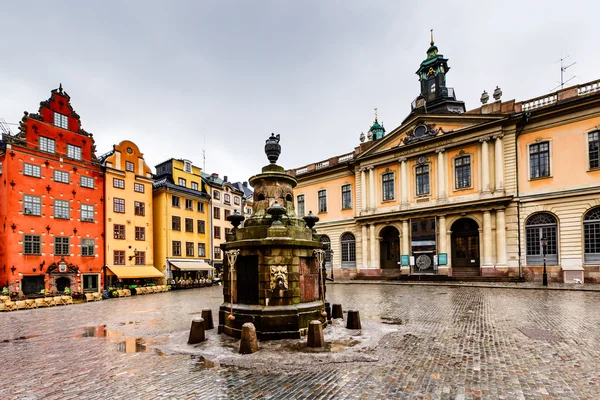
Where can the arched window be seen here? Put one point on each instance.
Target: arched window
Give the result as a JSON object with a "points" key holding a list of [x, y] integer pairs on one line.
{"points": [[348, 250], [325, 240], [538, 226], [591, 236]]}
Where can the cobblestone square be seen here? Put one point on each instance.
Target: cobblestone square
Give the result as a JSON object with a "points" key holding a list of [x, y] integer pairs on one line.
{"points": [[427, 342]]}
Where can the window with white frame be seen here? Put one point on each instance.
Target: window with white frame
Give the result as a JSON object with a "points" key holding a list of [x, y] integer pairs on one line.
{"points": [[422, 179], [47, 145], [236, 200], [216, 195], [118, 183], [32, 205], [189, 249], [73, 152], [387, 183], [201, 250], [175, 201], [32, 170], [61, 176], [0, 168], [187, 166], [87, 213], [60, 120], [61, 246], [538, 226], [300, 199], [539, 160], [88, 247], [322, 195], [181, 182], [32, 244], [327, 242], [591, 236], [87, 182], [140, 233], [194, 185], [346, 197], [138, 187], [129, 166], [176, 247], [227, 198], [593, 149], [462, 172], [217, 252], [189, 204], [62, 209], [348, 249], [200, 206]]}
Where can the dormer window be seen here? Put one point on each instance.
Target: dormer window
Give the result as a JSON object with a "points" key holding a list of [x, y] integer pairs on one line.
{"points": [[187, 166], [61, 121]]}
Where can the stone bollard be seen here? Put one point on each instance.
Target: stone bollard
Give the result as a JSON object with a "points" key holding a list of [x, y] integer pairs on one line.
{"points": [[353, 320], [328, 310], [315, 334], [197, 331], [336, 311], [208, 320], [249, 343]]}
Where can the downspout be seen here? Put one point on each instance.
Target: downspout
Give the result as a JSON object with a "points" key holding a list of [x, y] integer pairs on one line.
{"points": [[525, 120]]}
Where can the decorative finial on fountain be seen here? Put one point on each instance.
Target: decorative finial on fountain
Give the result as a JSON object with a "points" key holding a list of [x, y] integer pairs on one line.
{"points": [[273, 148], [235, 219], [276, 211], [310, 219]]}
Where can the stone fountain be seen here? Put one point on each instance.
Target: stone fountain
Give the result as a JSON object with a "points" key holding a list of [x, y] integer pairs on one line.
{"points": [[272, 275]]}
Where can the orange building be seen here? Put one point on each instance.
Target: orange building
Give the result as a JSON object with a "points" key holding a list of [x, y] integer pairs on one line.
{"points": [[51, 203]]}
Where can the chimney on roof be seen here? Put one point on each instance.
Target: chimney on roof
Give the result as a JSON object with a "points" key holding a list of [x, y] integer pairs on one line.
{"points": [[225, 179], [245, 184], [215, 175]]}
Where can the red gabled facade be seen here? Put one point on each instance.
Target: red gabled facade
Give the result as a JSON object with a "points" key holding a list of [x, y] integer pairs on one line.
{"points": [[51, 203]]}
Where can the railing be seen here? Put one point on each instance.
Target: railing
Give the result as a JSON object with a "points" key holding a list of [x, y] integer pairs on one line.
{"points": [[346, 157], [301, 170], [323, 164], [539, 102], [588, 88]]}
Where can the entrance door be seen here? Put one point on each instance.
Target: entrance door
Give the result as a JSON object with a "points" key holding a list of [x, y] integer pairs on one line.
{"points": [[465, 247], [62, 283], [390, 248]]}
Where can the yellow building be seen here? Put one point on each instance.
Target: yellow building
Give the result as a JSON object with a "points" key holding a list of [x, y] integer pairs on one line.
{"points": [[128, 216], [466, 193], [181, 221]]}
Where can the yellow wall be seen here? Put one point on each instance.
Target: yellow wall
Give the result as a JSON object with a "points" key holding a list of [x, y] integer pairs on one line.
{"points": [[334, 197], [161, 233]]}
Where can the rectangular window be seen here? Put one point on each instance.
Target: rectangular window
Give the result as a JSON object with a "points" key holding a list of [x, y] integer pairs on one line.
{"points": [[119, 205], [87, 213], [201, 226], [119, 231], [176, 248], [236, 200], [322, 201], [61, 176], [189, 225], [462, 172], [139, 208], [119, 257], [216, 213], [194, 185], [300, 205], [47, 145], [187, 166], [189, 204], [201, 250], [422, 173], [189, 249], [217, 232], [217, 251], [227, 213], [181, 182], [61, 121], [216, 195], [32, 205], [118, 183], [61, 246], [88, 247], [129, 166], [227, 198], [346, 197], [138, 187], [73, 152], [175, 201], [32, 170], [387, 183], [87, 182], [0, 168], [539, 160], [62, 209], [32, 244], [593, 148], [176, 223], [200, 207], [140, 233], [140, 258]]}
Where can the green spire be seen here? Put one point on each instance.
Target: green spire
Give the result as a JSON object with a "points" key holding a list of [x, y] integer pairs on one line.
{"points": [[377, 131]]}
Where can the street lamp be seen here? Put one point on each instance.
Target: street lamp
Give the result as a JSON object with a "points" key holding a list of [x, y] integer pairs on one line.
{"points": [[544, 241]]}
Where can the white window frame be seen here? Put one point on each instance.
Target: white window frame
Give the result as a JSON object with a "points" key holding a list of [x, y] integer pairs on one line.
{"points": [[61, 120], [129, 166], [48, 145], [87, 213], [33, 202], [181, 182], [32, 170], [62, 205], [73, 152], [88, 247], [87, 182], [61, 176], [194, 185]]}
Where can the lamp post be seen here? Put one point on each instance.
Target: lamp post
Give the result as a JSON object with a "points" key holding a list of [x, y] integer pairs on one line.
{"points": [[544, 241]]}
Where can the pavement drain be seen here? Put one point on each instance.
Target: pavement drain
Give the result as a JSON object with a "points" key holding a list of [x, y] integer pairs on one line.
{"points": [[538, 334]]}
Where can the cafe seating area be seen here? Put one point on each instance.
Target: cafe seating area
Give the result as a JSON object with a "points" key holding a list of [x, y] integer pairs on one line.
{"points": [[6, 304]]}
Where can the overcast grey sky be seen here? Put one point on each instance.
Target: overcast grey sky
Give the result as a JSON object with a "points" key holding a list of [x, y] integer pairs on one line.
{"points": [[170, 75]]}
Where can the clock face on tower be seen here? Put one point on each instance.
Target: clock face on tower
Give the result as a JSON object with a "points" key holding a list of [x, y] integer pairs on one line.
{"points": [[431, 71]]}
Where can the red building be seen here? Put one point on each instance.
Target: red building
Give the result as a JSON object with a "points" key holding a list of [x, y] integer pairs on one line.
{"points": [[51, 204]]}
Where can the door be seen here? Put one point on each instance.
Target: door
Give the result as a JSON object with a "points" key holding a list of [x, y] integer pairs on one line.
{"points": [[389, 248], [465, 243]]}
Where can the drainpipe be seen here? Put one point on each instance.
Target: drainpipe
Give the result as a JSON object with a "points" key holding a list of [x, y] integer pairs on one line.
{"points": [[525, 120]]}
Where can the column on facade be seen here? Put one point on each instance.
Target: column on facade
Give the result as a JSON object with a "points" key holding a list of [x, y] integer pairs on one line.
{"points": [[363, 190], [441, 168], [372, 242], [403, 181], [364, 244], [487, 239], [442, 234], [405, 245], [500, 238], [372, 188], [499, 162], [485, 165]]}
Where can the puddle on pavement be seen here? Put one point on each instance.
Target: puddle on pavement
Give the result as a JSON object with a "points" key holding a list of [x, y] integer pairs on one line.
{"points": [[204, 363], [20, 338], [98, 331], [391, 321], [123, 344], [132, 345], [129, 323]]}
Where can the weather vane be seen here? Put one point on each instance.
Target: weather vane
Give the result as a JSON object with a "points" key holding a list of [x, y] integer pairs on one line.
{"points": [[375, 113], [431, 30]]}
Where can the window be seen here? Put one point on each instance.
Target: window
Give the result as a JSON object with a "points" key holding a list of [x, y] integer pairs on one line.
{"points": [[536, 227], [176, 248], [138, 187], [201, 226], [189, 225], [139, 208], [227, 213], [347, 197], [216, 195], [432, 88], [119, 231], [217, 251], [189, 204], [462, 172], [47, 145], [176, 223], [118, 183], [175, 201], [200, 207], [61, 246], [61, 176], [32, 170], [118, 205], [322, 201], [236, 200], [539, 160], [32, 244], [187, 166], [90, 282], [300, 199], [593, 149], [32, 205], [87, 182], [87, 213], [217, 212], [325, 240], [61, 121], [189, 249], [181, 182], [348, 250], [422, 172], [387, 184], [140, 233], [227, 198], [73, 152], [62, 209], [140, 258], [194, 185], [217, 232], [87, 247], [129, 166], [591, 236], [0, 168], [119, 257], [201, 250]]}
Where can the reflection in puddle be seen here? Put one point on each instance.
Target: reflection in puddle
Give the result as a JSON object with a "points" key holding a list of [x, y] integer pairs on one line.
{"points": [[391, 321], [20, 338], [204, 363], [124, 345], [132, 345], [98, 331]]}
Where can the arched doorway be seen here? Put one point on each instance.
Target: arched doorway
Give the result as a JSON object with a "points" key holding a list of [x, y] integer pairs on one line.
{"points": [[389, 248], [325, 240], [62, 283], [465, 248]]}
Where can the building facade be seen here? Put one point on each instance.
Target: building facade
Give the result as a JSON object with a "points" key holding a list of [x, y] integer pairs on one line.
{"points": [[466, 193], [51, 203]]}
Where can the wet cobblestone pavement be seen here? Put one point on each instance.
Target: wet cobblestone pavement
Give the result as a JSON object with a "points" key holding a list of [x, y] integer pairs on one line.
{"points": [[417, 341]]}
